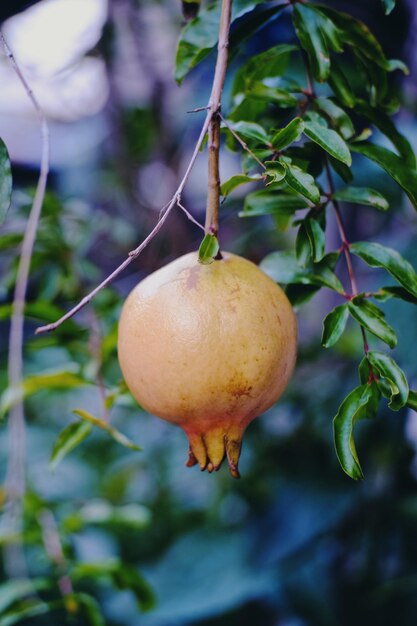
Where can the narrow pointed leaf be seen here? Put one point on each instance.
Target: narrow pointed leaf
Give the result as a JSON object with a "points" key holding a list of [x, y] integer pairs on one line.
{"points": [[333, 325], [275, 170], [386, 367], [316, 238], [302, 182], [343, 423], [284, 268], [302, 245], [329, 140], [362, 195], [394, 291], [267, 202], [412, 400], [275, 95], [394, 165], [372, 318], [5, 181], [208, 249], [235, 181], [114, 434], [250, 130], [68, 439], [338, 117], [270, 63], [377, 255], [287, 135]]}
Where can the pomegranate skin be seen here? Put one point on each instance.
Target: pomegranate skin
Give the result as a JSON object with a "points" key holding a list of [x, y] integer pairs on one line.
{"points": [[208, 347]]}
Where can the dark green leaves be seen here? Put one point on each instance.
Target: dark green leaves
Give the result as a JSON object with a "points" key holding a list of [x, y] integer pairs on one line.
{"points": [[376, 255], [351, 409], [316, 237], [250, 130], [372, 318], [266, 202], [338, 117], [394, 165], [284, 268], [333, 325], [285, 136], [362, 195], [235, 181], [385, 367], [271, 63], [317, 34], [68, 439], [5, 181], [208, 250], [329, 140]]}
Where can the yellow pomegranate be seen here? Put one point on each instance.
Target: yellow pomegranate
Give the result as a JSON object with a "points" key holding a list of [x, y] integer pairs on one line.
{"points": [[208, 347]]}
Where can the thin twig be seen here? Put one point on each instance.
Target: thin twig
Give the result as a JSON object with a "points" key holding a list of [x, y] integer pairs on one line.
{"points": [[241, 141], [213, 191], [212, 111], [53, 547], [190, 217], [15, 476]]}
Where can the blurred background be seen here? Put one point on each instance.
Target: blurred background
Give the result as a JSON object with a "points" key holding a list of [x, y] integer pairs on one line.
{"points": [[295, 542]]}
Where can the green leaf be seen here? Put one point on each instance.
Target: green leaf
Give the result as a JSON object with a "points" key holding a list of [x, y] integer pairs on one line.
{"points": [[338, 117], [235, 181], [91, 608], [40, 382], [372, 318], [268, 202], [287, 135], [100, 512], [302, 182], [14, 590], [362, 195], [394, 291], [329, 140], [316, 34], [114, 434], [341, 86], [271, 63], [412, 400], [386, 367], [283, 268], [208, 250], [388, 6], [385, 124], [393, 165], [26, 610], [250, 130], [316, 237], [302, 245], [350, 410], [5, 181], [333, 325], [67, 440], [376, 255], [275, 170], [274, 95]]}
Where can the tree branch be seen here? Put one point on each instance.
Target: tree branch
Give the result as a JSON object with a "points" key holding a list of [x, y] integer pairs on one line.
{"points": [[15, 476], [211, 123]]}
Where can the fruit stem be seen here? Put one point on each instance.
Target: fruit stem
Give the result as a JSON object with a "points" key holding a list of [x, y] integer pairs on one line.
{"points": [[213, 191]]}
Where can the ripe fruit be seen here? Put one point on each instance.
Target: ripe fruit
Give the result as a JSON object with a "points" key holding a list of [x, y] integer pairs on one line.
{"points": [[208, 347]]}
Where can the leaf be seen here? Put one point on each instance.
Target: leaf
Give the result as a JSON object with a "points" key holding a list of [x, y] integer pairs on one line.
{"points": [[250, 130], [316, 34], [301, 181], [208, 250], [329, 140], [287, 135], [337, 116], [341, 86], [389, 5], [5, 181], [67, 440], [362, 195], [270, 63], [275, 95], [333, 325], [343, 423], [27, 610], [40, 382], [283, 268], [14, 590], [316, 237], [302, 245], [372, 318], [235, 181], [266, 202], [393, 165], [377, 255], [412, 400], [386, 367], [114, 434], [134, 516], [275, 170], [393, 291], [91, 609]]}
